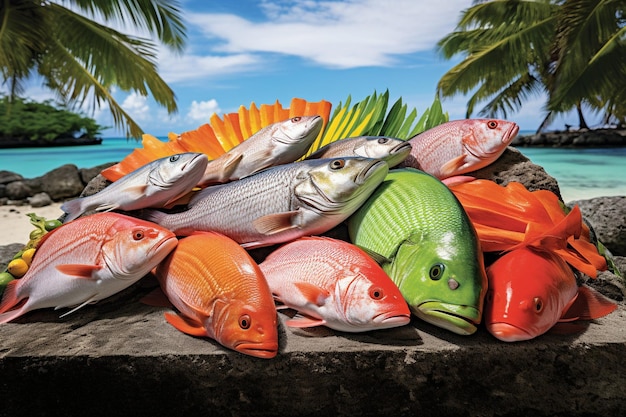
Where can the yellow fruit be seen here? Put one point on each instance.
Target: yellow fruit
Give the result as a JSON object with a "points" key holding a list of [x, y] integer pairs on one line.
{"points": [[17, 267], [27, 256]]}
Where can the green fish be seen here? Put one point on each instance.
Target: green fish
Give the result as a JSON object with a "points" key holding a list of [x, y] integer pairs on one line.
{"points": [[414, 226]]}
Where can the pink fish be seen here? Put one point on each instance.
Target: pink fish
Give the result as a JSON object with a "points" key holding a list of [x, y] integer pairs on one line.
{"points": [[460, 146], [86, 260], [221, 293], [530, 291], [333, 283]]}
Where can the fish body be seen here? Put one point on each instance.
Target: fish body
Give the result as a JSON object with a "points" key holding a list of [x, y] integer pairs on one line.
{"points": [[415, 227], [281, 203], [531, 290], [86, 261], [391, 150], [276, 144], [333, 283], [460, 146], [153, 185], [220, 293]]}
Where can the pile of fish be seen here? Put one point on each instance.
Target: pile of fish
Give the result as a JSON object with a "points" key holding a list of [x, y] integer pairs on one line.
{"points": [[418, 230]]}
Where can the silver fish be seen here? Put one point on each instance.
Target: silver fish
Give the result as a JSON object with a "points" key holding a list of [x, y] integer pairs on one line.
{"points": [[276, 144], [155, 184], [281, 203], [391, 150]]}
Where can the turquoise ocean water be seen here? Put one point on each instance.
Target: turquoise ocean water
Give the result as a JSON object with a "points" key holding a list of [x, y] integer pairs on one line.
{"points": [[581, 173]]}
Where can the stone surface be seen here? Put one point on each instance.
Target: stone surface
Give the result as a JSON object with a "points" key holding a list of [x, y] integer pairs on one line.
{"points": [[63, 182], [39, 200], [607, 216]]}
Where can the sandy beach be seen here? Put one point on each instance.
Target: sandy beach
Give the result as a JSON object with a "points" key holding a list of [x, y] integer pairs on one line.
{"points": [[15, 223]]}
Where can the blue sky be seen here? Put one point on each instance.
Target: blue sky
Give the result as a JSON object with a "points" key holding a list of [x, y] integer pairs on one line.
{"points": [[243, 51]]}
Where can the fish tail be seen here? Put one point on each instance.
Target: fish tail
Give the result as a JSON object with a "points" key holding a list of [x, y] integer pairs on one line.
{"points": [[589, 305], [11, 307], [73, 208]]}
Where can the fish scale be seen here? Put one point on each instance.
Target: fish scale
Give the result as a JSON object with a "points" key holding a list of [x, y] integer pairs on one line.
{"points": [[419, 232]]}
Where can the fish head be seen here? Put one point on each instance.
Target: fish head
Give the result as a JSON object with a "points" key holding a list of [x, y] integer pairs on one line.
{"points": [[370, 300], [245, 328], [487, 138], [339, 186], [444, 285], [133, 247], [391, 150], [299, 129], [528, 291], [183, 169]]}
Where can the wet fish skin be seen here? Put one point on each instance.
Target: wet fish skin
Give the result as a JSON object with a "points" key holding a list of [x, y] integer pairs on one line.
{"points": [[155, 184], [391, 150], [532, 291], [276, 144], [333, 283], [85, 261], [220, 293], [460, 146], [281, 203], [415, 227]]}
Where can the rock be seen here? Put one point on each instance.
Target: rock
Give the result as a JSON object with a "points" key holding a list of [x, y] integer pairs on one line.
{"points": [[607, 215], [18, 190], [97, 183], [87, 174], [8, 176], [7, 252], [514, 166], [40, 200], [63, 182]]}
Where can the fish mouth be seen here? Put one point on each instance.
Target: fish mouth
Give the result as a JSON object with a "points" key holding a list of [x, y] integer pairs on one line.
{"points": [[399, 154], [508, 332], [266, 350], [510, 134], [370, 170], [193, 162], [392, 319], [449, 317]]}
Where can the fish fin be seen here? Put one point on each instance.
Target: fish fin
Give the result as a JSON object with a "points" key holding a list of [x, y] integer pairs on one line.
{"points": [[301, 321], [451, 167], [589, 304], [457, 179], [156, 298], [181, 199], [185, 325], [230, 165], [91, 299], [377, 257], [136, 189], [107, 207], [73, 208], [555, 237], [11, 307], [313, 293], [78, 270], [275, 223]]}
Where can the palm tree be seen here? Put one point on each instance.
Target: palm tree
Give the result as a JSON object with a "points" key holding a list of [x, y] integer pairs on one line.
{"points": [[517, 48], [81, 59]]}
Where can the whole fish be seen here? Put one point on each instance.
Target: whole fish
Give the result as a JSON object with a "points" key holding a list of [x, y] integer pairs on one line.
{"points": [[415, 227], [391, 150], [85, 261], [531, 290], [221, 293], [281, 203], [155, 184], [276, 144], [460, 146], [333, 283]]}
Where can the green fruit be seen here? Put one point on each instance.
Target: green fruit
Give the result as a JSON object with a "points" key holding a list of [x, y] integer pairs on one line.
{"points": [[52, 224], [5, 278], [36, 234]]}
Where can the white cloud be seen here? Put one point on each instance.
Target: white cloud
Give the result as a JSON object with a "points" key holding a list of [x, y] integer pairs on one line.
{"points": [[137, 106], [203, 110], [336, 34], [174, 68]]}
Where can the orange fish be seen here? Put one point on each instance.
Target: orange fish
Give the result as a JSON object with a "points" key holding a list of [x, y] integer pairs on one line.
{"points": [[333, 283], [86, 260], [220, 293], [530, 291], [511, 216], [460, 146]]}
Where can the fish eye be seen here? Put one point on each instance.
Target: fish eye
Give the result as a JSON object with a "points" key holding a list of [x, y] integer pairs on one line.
{"points": [[382, 141], [492, 124], [138, 234], [376, 293], [174, 158], [296, 119], [436, 272], [538, 304], [245, 321], [337, 164]]}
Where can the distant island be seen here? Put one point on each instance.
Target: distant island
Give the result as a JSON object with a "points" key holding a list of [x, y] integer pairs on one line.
{"points": [[68, 141]]}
